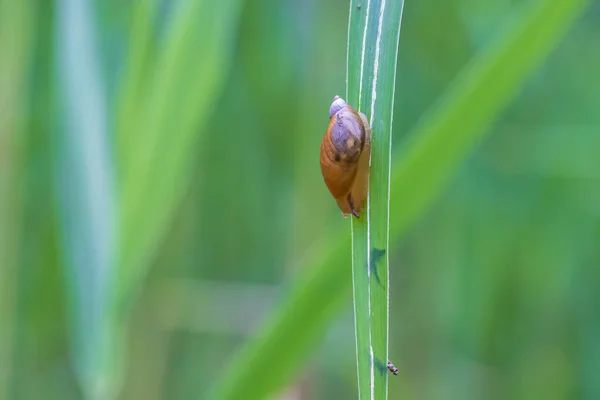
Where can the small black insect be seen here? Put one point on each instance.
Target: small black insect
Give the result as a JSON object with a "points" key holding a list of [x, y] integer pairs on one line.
{"points": [[392, 369]]}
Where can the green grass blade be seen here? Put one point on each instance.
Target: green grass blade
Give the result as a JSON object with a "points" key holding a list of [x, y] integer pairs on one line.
{"points": [[16, 31], [135, 81], [445, 137], [373, 36], [319, 292], [161, 127], [86, 197]]}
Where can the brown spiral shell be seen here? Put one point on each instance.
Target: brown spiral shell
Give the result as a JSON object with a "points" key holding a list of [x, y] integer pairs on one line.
{"points": [[345, 151]]}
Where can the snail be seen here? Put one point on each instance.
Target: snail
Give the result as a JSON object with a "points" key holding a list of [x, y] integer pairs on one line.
{"points": [[345, 152]]}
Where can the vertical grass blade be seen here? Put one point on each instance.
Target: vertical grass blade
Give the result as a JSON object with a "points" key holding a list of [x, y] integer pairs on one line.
{"points": [[16, 31], [86, 196], [319, 291], [162, 121], [373, 37], [137, 73]]}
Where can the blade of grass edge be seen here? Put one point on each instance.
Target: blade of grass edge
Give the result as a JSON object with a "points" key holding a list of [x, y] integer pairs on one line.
{"points": [[267, 361]]}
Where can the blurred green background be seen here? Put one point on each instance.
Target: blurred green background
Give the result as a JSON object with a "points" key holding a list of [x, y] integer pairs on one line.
{"points": [[160, 185]]}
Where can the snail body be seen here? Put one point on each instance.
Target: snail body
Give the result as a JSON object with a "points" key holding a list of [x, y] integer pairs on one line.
{"points": [[345, 152]]}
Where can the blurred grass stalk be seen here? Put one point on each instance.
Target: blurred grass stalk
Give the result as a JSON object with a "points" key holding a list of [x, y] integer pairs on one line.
{"points": [[163, 109], [86, 199], [435, 149], [163, 105], [373, 38], [16, 28]]}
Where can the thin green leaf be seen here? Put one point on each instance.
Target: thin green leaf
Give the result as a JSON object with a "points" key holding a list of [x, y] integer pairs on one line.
{"points": [[86, 198], [16, 31], [374, 28], [135, 82], [161, 129], [481, 91]]}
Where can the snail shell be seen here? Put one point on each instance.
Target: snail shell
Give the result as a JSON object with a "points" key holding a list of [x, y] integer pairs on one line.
{"points": [[345, 152]]}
